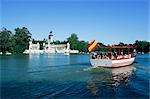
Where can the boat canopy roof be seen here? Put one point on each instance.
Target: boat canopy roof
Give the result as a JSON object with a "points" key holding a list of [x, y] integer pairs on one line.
{"points": [[118, 47]]}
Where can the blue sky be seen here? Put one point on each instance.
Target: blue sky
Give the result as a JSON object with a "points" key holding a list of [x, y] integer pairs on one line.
{"points": [[107, 21]]}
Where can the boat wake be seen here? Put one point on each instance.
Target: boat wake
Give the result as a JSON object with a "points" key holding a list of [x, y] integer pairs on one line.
{"points": [[88, 69]]}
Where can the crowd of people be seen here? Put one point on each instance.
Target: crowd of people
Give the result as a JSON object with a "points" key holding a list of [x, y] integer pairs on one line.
{"points": [[113, 55]]}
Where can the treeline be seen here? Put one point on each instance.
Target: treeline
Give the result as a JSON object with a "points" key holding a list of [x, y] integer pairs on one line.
{"points": [[14, 43], [76, 44], [18, 42], [141, 46]]}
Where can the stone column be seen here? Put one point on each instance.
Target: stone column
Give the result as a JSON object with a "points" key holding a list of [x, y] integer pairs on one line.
{"points": [[38, 46], [68, 47], [30, 45], [44, 46]]}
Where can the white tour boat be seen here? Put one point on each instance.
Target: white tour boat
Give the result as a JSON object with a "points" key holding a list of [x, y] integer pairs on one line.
{"points": [[110, 61]]}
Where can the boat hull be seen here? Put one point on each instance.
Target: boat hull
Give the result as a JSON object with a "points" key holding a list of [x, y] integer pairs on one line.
{"points": [[108, 63]]}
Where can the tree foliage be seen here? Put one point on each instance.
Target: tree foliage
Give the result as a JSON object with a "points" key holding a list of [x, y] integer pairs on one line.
{"points": [[122, 44], [75, 44], [5, 40], [82, 46], [100, 49], [16, 43], [21, 40], [142, 46], [73, 40], [59, 42]]}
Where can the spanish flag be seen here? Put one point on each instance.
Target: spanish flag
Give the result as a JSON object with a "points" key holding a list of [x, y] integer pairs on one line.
{"points": [[92, 45]]}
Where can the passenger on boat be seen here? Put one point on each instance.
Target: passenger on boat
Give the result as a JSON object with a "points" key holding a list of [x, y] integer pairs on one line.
{"points": [[98, 57], [129, 56], [94, 55], [101, 55], [115, 55], [134, 53], [126, 56], [110, 56], [119, 56]]}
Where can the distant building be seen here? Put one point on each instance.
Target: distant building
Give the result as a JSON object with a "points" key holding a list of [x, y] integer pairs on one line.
{"points": [[34, 46], [49, 47]]}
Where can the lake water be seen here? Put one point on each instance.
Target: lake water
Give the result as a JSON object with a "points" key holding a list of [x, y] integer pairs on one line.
{"points": [[60, 76]]}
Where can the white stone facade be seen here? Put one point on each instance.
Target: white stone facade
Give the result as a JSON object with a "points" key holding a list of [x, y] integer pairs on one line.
{"points": [[49, 47], [34, 46]]}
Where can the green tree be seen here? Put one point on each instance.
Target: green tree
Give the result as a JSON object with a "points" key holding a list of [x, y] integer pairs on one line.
{"points": [[99, 48], [142, 46], [147, 47], [73, 40], [5, 37], [82, 46], [21, 40], [120, 44], [57, 42]]}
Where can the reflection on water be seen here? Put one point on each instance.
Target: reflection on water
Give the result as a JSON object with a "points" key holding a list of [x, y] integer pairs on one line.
{"points": [[109, 79], [122, 74]]}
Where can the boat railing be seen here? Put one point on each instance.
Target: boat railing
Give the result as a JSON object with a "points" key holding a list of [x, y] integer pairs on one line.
{"points": [[112, 57], [115, 52]]}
